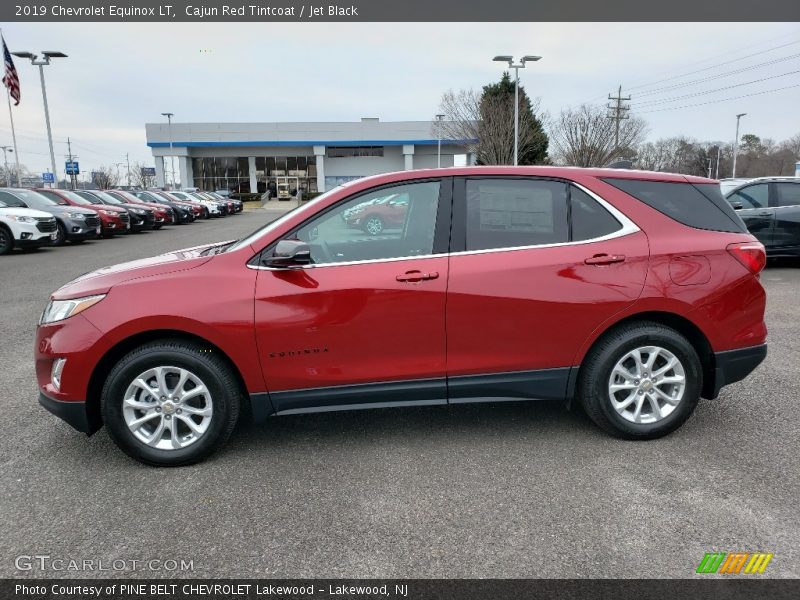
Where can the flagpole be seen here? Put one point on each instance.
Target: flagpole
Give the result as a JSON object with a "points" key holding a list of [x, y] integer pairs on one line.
{"points": [[13, 136]]}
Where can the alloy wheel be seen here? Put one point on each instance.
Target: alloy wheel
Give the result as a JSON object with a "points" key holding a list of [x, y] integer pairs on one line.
{"points": [[374, 226], [647, 384], [167, 407]]}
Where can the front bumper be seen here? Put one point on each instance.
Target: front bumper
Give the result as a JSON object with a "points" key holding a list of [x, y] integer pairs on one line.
{"points": [[735, 365], [74, 413], [79, 229]]}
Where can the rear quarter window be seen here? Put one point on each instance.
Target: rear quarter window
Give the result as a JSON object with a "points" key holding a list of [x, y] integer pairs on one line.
{"points": [[697, 205]]}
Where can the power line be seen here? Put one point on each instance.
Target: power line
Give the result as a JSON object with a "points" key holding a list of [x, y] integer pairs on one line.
{"points": [[719, 76], [714, 66], [722, 64], [721, 99], [727, 87]]}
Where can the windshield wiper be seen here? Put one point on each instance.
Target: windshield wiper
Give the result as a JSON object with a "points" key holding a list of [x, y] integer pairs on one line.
{"points": [[216, 249]]}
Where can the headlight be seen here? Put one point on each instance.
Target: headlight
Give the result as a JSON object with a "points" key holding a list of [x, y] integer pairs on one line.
{"points": [[137, 211], [22, 219], [74, 215], [58, 310], [110, 213]]}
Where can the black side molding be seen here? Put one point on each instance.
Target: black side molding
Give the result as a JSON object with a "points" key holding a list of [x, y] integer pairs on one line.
{"points": [[73, 413], [735, 365]]}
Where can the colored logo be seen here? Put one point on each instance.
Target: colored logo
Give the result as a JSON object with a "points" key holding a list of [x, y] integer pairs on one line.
{"points": [[734, 563]]}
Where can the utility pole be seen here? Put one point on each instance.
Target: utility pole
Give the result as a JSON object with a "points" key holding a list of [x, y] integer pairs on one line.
{"points": [[719, 155], [71, 158], [128, 161], [617, 113]]}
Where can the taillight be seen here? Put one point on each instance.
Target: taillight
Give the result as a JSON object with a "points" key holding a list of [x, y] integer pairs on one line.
{"points": [[751, 254]]}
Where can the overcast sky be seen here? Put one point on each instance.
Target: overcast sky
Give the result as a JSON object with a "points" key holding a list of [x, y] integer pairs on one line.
{"points": [[119, 76]]}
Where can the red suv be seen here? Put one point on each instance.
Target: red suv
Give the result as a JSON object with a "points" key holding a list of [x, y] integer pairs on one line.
{"points": [[633, 293]]}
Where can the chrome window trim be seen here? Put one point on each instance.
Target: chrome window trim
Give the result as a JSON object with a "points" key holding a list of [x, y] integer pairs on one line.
{"points": [[628, 228]]}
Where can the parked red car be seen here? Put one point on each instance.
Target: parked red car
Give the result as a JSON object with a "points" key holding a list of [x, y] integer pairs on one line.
{"points": [[373, 217], [633, 293], [162, 215], [113, 219]]}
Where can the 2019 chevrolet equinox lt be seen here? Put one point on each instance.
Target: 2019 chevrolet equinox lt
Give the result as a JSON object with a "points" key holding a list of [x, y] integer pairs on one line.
{"points": [[633, 293]]}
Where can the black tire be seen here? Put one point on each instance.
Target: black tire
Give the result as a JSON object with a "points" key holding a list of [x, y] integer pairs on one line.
{"points": [[61, 235], [6, 240], [156, 227], [77, 241], [373, 225], [215, 374], [595, 372]]}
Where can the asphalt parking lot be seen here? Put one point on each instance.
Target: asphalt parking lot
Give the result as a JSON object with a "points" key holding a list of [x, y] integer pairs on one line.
{"points": [[501, 490]]}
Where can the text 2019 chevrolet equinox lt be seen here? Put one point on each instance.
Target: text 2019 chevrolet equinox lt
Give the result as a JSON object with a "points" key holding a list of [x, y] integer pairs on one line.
{"points": [[633, 293]]}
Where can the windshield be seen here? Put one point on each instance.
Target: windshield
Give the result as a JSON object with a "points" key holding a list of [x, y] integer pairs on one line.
{"points": [[148, 197], [107, 198], [76, 198], [270, 226], [34, 199], [90, 198]]}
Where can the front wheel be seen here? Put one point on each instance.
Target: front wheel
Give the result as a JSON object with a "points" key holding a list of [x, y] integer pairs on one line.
{"points": [[641, 381], [170, 403], [6, 241], [61, 235]]}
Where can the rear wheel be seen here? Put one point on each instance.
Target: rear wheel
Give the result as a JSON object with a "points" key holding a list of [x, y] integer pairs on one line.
{"points": [[170, 403], [6, 240], [373, 225], [641, 381]]}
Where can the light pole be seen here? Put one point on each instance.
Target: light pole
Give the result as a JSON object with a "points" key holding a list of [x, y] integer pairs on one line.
{"points": [[516, 67], [6, 150], [45, 60], [736, 143], [439, 141], [169, 116], [118, 165]]}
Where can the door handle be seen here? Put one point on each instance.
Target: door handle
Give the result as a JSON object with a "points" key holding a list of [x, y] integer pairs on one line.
{"points": [[605, 259], [416, 276]]}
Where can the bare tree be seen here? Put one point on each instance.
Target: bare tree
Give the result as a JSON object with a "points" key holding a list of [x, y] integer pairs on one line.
{"points": [[140, 179], [484, 123], [105, 177], [584, 136], [9, 177]]}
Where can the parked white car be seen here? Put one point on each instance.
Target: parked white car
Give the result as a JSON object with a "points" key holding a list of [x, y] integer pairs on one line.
{"points": [[25, 228], [214, 208]]}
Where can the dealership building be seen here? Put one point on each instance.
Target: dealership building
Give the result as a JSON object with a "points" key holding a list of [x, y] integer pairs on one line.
{"points": [[311, 157]]}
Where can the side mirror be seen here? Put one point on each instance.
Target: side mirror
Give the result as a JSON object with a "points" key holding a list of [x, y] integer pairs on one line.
{"points": [[737, 205], [288, 254]]}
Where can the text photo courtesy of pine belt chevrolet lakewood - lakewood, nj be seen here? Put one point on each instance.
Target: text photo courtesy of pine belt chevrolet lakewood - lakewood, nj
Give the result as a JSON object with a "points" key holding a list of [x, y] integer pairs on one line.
{"points": [[399, 300]]}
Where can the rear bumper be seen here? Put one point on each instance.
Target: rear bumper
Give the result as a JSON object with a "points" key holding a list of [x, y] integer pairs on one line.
{"points": [[74, 413], [735, 365]]}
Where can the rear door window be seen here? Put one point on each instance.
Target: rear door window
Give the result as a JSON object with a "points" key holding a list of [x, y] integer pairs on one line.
{"points": [[697, 205], [788, 194], [752, 196], [509, 213]]}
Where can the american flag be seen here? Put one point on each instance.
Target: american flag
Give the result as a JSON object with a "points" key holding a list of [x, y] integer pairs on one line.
{"points": [[11, 79]]}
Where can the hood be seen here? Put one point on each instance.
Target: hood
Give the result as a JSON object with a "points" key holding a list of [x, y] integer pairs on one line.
{"points": [[102, 280], [130, 205], [24, 212]]}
